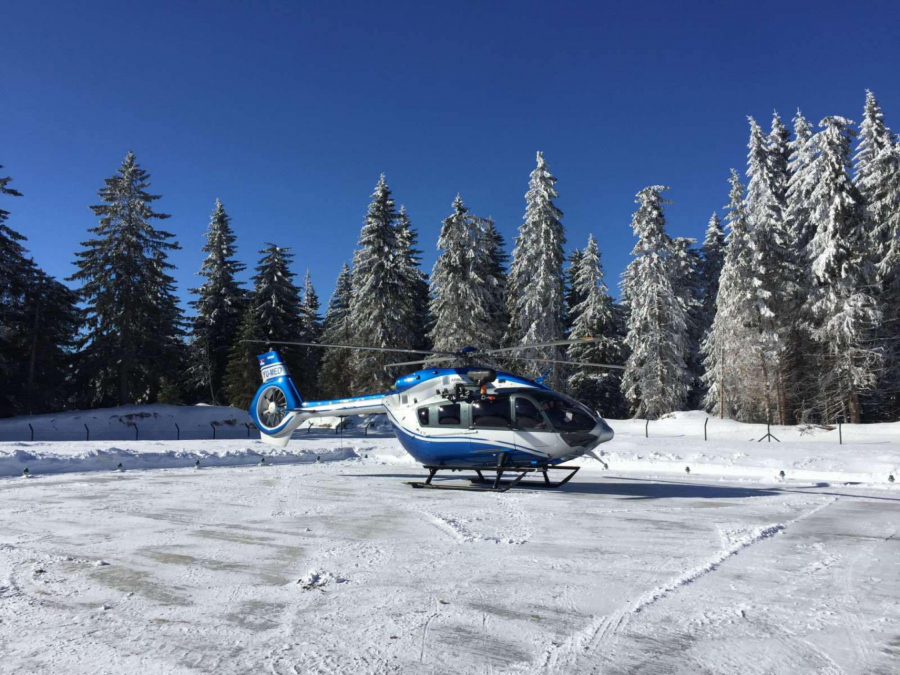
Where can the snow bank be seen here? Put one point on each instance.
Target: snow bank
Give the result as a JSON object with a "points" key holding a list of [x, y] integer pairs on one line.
{"points": [[870, 453], [132, 422], [43, 458]]}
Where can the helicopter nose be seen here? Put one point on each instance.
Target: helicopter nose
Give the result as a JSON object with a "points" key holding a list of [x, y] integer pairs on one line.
{"points": [[603, 431]]}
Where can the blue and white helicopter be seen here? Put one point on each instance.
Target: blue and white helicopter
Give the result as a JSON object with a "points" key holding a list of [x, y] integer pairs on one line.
{"points": [[468, 418]]}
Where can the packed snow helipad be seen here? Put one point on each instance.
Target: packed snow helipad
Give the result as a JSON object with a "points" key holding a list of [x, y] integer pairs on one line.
{"points": [[339, 567]]}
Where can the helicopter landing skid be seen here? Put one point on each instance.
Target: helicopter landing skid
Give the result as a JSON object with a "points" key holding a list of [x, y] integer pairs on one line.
{"points": [[498, 484]]}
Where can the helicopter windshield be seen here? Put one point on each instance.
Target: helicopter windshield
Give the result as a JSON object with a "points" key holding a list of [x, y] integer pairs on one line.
{"points": [[564, 413]]}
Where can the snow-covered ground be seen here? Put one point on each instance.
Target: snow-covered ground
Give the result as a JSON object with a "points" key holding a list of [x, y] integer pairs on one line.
{"points": [[339, 567]]}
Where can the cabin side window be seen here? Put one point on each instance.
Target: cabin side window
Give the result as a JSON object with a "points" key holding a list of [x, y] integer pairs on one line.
{"points": [[423, 416], [449, 415], [529, 417], [491, 413]]}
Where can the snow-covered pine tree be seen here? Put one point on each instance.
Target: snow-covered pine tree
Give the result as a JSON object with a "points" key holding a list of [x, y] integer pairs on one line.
{"points": [[885, 205], [594, 316], [39, 323], [841, 312], [732, 354], [573, 296], [804, 170], [418, 286], [536, 281], [335, 375], [277, 301], [872, 174], [657, 378], [461, 295], [713, 257], [382, 300], [15, 272], [494, 274], [773, 258], [134, 328], [687, 264], [310, 331], [219, 308], [242, 373]]}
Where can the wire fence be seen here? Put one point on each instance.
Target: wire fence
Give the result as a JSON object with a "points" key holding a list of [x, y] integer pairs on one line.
{"points": [[709, 429]]}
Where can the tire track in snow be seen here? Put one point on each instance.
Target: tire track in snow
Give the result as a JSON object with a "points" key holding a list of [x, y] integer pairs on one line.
{"points": [[603, 628]]}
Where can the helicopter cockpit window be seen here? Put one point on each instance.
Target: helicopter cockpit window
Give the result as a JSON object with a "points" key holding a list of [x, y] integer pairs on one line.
{"points": [[423, 416], [448, 415], [492, 412], [564, 413], [529, 416]]}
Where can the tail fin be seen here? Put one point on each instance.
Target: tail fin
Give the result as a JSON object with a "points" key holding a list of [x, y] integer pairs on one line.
{"points": [[276, 407]]}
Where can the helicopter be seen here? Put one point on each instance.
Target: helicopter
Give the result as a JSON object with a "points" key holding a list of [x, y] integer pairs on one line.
{"points": [[461, 418]]}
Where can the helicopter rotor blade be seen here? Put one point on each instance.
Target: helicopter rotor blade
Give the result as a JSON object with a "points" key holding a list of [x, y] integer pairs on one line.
{"points": [[575, 363], [415, 363], [367, 349], [571, 363], [538, 345]]}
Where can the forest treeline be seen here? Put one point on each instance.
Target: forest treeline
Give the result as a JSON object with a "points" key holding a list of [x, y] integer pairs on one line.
{"points": [[786, 311]]}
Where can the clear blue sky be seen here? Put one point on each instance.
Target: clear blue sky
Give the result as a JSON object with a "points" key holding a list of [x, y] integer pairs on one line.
{"points": [[288, 112]]}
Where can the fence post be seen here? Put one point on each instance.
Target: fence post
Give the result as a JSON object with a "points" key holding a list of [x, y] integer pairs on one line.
{"points": [[647, 429], [705, 422], [248, 429], [134, 424], [840, 435], [214, 430], [177, 432], [88, 432], [32, 430]]}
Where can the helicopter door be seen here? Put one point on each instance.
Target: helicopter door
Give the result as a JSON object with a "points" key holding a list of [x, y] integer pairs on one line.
{"points": [[531, 428], [491, 425]]}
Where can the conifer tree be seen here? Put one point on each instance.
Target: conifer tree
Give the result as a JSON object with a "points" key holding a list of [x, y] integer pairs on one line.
{"points": [[573, 296], [47, 343], [841, 311], [732, 353], [687, 266], [494, 273], [773, 259], [219, 308], [417, 281], [657, 378], [594, 316], [277, 302], [381, 305], [873, 175], [15, 271], [39, 323], [462, 293], [311, 331], [713, 252], [133, 322], [536, 281], [804, 170], [335, 375], [242, 377], [885, 207]]}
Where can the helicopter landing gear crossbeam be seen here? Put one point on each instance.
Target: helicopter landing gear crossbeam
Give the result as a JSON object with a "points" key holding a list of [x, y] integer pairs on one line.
{"points": [[497, 484]]}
